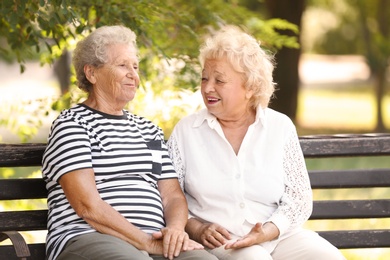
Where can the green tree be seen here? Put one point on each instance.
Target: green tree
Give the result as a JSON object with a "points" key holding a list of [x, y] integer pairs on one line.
{"points": [[169, 32], [363, 28]]}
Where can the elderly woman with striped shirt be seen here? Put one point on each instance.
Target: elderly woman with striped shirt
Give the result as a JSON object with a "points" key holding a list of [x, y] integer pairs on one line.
{"points": [[112, 190]]}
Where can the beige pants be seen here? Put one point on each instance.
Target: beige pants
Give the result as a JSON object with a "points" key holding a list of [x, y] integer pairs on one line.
{"points": [[304, 245], [99, 246]]}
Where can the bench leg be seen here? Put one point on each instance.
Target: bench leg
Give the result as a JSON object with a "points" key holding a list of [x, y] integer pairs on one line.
{"points": [[21, 248]]}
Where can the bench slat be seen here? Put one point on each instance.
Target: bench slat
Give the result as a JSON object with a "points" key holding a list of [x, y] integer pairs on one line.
{"points": [[12, 189], [37, 252], [351, 209], [23, 220], [365, 178], [357, 238], [349, 146], [16, 155], [31, 154]]}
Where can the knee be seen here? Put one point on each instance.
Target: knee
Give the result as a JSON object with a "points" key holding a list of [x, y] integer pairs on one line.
{"points": [[324, 252]]}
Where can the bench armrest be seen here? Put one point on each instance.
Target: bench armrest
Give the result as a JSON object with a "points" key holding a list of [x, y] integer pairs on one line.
{"points": [[19, 244]]}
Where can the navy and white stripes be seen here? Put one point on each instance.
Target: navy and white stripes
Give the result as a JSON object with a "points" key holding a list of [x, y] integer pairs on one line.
{"points": [[128, 156]]}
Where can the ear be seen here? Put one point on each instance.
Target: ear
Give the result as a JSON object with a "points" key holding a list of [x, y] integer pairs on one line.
{"points": [[89, 72], [249, 93]]}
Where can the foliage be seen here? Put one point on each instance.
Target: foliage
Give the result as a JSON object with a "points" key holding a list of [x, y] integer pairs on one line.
{"points": [[361, 27], [168, 32]]}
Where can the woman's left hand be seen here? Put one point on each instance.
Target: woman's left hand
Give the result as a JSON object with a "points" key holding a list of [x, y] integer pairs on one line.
{"points": [[175, 241], [259, 234]]}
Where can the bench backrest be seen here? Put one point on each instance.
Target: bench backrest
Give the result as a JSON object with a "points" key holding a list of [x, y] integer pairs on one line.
{"points": [[21, 155]]}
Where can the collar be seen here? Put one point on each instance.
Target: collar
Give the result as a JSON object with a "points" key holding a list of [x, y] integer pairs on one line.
{"points": [[204, 115]]}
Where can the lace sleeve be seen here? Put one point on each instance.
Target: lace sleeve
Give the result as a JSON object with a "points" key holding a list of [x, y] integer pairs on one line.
{"points": [[296, 203], [177, 161]]}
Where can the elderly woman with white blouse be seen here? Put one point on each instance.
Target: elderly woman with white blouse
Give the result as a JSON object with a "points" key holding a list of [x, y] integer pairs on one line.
{"points": [[240, 163]]}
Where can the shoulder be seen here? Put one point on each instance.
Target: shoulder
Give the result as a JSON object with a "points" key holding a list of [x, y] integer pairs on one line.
{"points": [[274, 118], [140, 121], [68, 116], [194, 119]]}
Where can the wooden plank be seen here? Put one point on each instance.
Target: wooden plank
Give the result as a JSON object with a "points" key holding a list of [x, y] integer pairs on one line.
{"points": [[313, 146], [357, 238], [351, 146], [12, 189], [23, 220], [357, 178], [351, 209], [37, 252], [16, 155]]}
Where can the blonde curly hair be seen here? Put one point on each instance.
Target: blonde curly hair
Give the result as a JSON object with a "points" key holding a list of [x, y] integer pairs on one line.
{"points": [[246, 56]]}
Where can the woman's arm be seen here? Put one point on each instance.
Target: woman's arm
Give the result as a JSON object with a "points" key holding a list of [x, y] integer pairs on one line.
{"points": [[296, 203], [176, 213], [80, 190]]}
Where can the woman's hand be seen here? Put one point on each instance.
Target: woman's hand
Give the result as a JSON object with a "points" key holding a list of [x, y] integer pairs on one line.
{"points": [[213, 235], [259, 234], [175, 241]]}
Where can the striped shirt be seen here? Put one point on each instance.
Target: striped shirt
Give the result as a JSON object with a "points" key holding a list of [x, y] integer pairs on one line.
{"points": [[128, 155]]}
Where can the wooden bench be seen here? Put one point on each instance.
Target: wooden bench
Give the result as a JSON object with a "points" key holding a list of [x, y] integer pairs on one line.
{"points": [[19, 155]]}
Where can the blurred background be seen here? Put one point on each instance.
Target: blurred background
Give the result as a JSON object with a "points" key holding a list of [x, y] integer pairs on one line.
{"points": [[332, 69]]}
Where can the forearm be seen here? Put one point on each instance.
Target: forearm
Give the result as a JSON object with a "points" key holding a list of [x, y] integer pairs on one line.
{"points": [[271, 231], [176, 213], [192, 228], [105, 219]]}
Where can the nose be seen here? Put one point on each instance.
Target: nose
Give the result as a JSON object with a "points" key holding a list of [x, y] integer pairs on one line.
{"points": [[207, 86], [132, 73]]}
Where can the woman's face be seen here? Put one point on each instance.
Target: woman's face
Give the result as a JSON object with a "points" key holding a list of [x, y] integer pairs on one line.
{"points": [[117, 80], [223, 90]]}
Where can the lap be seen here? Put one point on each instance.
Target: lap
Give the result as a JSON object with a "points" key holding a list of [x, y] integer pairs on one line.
{"points": [[105, 247], [305, 244], [100, 246]]}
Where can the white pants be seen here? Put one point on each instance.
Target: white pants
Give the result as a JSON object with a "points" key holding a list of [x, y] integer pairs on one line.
{"points": [[303, 245]]}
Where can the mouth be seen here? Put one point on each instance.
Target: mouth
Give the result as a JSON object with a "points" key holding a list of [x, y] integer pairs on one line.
{"points": [[212, 100], [130, 85]]}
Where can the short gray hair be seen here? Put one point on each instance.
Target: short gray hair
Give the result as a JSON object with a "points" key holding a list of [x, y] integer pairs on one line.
{"points": [[92, 50]]}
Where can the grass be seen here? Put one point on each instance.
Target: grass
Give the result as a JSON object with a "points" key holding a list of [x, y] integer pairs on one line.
{"points": [[339, 110]]}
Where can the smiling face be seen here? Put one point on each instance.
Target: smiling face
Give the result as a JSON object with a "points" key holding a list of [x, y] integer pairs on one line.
{"points": [[116, 81], [223, 90]]}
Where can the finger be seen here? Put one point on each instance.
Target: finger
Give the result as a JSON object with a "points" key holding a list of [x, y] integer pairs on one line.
{"points": [[224, 233], [186, 243], [178, 246], [214, 241], [221, 239], [194, 245], [157, 235], [166, 245], [171, 247]]}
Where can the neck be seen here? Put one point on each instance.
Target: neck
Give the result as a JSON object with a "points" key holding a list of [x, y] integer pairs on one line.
{"points": [[105, 106], [239, 121]]}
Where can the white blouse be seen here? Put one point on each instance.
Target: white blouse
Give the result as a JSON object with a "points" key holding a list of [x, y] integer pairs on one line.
{"points": [[267, 181]]}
